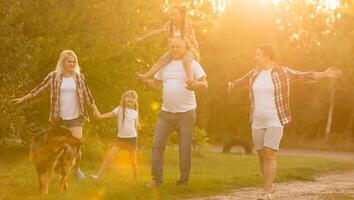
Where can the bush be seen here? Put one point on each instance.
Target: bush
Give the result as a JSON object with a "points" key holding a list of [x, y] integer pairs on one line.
{"points": [[200, 141]]}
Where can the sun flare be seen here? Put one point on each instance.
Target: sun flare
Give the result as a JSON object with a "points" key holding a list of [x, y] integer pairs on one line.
{"points": [[323, 5]]}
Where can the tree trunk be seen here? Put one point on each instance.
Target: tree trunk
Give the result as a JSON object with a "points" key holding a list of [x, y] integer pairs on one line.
{"points": [[330, 111], [350, 121]]}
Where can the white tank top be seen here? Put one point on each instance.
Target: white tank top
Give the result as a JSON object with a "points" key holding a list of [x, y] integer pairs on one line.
{"points": [[68, 100]]}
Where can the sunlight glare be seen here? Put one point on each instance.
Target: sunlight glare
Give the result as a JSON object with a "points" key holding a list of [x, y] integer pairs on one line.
{"points": [[321, 5], [219, 6]]}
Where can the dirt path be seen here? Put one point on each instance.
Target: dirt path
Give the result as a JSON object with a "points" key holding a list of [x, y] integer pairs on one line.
{"points": [[326, 187]]}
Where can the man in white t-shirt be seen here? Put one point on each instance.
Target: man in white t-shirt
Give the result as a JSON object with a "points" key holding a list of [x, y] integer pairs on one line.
{"points": [[177, 112]]}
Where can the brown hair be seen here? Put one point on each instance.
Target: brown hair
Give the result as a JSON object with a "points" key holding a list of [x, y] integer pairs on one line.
{"points": [[268, 51], [183, 11]]}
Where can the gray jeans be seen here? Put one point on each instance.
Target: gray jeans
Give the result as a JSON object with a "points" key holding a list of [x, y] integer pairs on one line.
{"points": [[183, 123]]}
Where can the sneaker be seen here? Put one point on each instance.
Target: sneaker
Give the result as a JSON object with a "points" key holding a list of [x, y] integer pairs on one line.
{"points": [[153, 184], [79, 175], [273, 188], [94, 177], [265, 196], [180, 183]]}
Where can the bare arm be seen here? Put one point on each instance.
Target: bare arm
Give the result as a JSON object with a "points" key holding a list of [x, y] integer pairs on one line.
{"points": [[107, 115], [201, 83], [154, 84], [329, 72], [137, 124], [95, 111], [150, 34], [242, 82], [22, 99], [205, 23], [88, 97], [298, 76], [41, 88]]}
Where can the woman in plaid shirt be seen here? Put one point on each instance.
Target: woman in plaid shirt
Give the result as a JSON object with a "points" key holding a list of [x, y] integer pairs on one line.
{"points": [[269, 86], [69, 98]]}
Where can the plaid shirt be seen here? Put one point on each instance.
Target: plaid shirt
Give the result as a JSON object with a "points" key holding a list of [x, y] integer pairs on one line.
{"points": [[282, 78], [52, 82], [188, 36]]}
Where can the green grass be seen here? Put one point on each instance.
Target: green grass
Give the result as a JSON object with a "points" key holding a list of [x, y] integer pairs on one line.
{"points": [[213, 173]]}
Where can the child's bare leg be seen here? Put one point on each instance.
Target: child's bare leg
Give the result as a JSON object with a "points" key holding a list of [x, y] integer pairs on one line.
{"points": [[162, 62], [110, 156], [134, 162], [187, 64], [189, 71], [155, 68]]}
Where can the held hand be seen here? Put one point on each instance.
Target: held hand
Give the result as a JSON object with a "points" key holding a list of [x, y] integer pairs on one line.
{"points": [[216, 25], [141, 78], [17, 100], [138, 39], [97, 114], [230, 87], [333, 72], [191, 85]]}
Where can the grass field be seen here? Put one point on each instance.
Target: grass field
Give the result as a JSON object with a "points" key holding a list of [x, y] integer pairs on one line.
{"points": [[212, 173]]}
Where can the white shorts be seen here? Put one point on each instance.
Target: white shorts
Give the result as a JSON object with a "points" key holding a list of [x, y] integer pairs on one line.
{"points": [[267, 137]]}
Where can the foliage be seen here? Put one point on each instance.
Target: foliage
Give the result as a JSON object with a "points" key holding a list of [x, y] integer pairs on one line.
{"points": [[33, 33], [200, 141]]}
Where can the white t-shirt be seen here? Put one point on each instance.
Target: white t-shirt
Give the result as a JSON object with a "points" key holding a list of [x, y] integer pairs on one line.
{"points": [[68, 102], [177, 33], [175, 97], [126, 129], [265, 112]]}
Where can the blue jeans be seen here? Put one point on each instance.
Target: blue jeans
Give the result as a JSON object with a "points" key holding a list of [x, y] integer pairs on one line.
{"points": [[183, 123]]}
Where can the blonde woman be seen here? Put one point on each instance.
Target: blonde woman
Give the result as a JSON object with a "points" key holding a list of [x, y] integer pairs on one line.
{"points": [[68, 99], [269, 88], [128, 123]]}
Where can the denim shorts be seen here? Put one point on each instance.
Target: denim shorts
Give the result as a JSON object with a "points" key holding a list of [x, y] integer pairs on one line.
{"points": [[126, 143], [77, 122]]}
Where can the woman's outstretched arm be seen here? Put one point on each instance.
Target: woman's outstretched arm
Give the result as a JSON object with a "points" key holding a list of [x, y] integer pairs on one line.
{"points": [[40, 89], [311, 76], [242, 82]]}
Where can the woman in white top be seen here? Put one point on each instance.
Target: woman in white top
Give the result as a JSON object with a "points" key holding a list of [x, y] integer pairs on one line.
{"points": [[69, 97], [127, 118], [269, 87]]}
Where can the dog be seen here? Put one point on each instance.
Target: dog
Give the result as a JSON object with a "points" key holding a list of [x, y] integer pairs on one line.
{"points": [[53, 149]]}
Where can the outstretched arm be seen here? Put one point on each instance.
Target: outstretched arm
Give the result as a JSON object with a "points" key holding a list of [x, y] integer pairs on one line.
{"points": [[329, 72], [107, 115], [205, 23], [41, 88], [298, 76], [22, 99], [242, 82], [149, 35]]}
